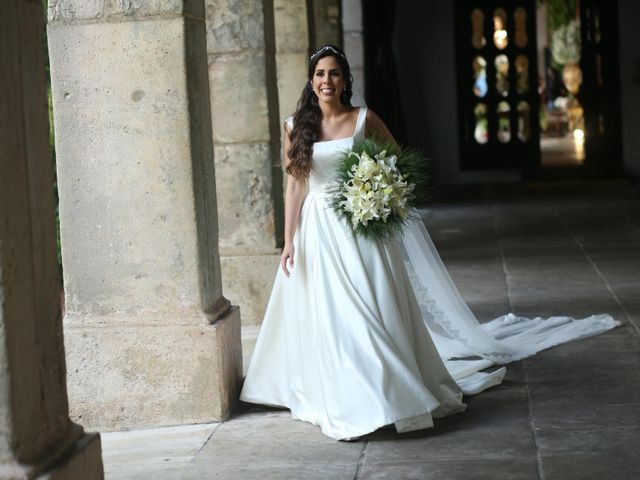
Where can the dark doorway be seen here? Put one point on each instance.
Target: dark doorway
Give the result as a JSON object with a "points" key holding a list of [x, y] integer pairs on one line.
{"points": [[538, 86], [382, 90], [580, 118]]}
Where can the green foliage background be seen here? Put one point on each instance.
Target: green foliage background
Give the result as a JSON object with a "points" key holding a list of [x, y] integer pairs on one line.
{"points": [[51, 135], [559, 12]]}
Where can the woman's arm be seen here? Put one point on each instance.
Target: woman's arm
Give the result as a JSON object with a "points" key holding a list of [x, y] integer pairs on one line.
{"points": [[293, 199], [375, 127]]}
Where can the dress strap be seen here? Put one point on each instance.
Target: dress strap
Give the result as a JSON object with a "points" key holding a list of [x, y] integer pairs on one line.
{"points": [[362, 116], [289, 122]]}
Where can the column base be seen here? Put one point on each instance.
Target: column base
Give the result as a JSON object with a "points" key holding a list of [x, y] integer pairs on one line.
{"points": [[125, 374]]}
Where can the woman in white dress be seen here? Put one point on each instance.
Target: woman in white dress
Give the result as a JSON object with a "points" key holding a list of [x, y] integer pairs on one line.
{"points": [[357, 334]]}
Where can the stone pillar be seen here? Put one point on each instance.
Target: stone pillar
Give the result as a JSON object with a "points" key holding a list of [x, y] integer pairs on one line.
{"points": [[150, 339], [37, 438], [292, 52], [246, 129], [325, 25], [352, 33]]}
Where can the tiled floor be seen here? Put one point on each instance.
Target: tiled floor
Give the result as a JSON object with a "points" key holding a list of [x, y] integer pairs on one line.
{"points": [[570, 412]]}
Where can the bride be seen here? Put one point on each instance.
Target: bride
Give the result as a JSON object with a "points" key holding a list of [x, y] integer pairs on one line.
{"points": [[357, 334]]}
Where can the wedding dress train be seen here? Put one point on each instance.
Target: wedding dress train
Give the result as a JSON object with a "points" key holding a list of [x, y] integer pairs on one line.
{"points": [[366, 334]]}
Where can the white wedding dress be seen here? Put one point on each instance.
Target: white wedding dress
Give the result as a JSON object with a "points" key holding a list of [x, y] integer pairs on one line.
{"points": [[366, 334]]}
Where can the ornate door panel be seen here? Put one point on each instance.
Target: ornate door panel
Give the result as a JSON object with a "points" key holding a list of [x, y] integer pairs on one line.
{"points": [[497, 83], [599, 92]]}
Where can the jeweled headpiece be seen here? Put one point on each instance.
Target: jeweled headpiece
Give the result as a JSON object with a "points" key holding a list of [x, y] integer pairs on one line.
{"points": [[331, 49]]}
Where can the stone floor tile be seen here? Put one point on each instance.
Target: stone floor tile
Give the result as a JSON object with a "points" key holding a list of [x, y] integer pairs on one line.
{"points": [[629, 297], [544, 247], [495, 425], [608, 239], [619, 267], [572, 397], [594, 385], [157, 452], [618, 464], [143, 470], [515, 376], [459, 469], [251, 470], [273, 437], [531, 303], [547, 273], [539, 241], [606, 342], [586, 428], [574, 360]]}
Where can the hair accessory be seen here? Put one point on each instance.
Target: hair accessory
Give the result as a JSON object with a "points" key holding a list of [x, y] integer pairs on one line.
{"points": [[331, 49]]}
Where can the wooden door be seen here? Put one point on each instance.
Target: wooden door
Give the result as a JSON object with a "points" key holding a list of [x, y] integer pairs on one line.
{"points": [[599, 93], [497, 83]]}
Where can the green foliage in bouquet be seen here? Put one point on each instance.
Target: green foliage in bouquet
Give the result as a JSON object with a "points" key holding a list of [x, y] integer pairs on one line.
{"points": [[375, 185]]}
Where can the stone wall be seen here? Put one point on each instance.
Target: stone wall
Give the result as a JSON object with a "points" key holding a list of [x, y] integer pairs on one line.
{"points": [[246, 130], [292, 53], [325, 23], [353, 37]]}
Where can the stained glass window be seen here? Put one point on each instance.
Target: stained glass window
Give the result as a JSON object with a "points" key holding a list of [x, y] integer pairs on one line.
{"points": [[478, 39], [524, 121], [502, 75], [504, 124], [500, 35], [522, 74], [479, 76], [480, 132], [520, 21]]}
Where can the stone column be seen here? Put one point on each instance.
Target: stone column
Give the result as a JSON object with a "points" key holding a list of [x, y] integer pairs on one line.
{"points": [[246, 129], [292, 52], [325, 24], [150, 338], [37, 438], [352, 33]]}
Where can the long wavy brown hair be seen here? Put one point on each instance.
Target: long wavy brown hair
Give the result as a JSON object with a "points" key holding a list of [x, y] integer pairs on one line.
{"points": [[307, 118]]}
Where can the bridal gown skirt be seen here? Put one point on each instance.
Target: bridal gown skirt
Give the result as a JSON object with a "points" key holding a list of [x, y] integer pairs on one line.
{"points": [[343, 343], [366, 334]]}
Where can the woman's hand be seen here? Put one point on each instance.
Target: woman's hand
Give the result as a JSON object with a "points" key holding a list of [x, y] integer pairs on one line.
{"points": [[287, 255]]}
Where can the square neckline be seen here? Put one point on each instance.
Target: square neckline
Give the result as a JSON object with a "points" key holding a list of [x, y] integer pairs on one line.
{"points": [[355, 131]]}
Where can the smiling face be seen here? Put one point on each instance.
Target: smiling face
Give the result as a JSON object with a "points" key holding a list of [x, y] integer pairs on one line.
{"points": [[328, 80]]}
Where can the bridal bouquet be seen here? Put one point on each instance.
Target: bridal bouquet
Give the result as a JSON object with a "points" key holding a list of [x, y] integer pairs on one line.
{"points": [[374, 187]]}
